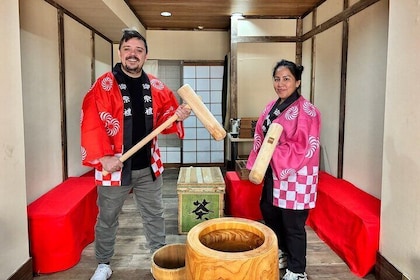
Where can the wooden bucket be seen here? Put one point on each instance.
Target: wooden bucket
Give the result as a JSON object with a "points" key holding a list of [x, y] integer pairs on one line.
{"points": [[168, 262], [231, 248]]}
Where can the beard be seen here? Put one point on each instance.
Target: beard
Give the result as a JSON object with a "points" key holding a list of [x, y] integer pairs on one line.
{"points": [[131, 70], [134, 70]]}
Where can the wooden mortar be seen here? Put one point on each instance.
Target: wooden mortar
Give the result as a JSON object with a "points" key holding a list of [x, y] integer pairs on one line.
{"points": [[231, 248], [168, 262]]}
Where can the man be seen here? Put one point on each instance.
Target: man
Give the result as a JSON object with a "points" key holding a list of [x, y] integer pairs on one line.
{"points": [[121, 108]]}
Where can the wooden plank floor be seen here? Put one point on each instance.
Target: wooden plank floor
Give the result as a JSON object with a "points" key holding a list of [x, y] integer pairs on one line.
{"points": [[132, 259]]}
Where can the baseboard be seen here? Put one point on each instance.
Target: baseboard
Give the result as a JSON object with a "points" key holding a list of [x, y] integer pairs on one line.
{"points": [[24, 272], [384, 270]]}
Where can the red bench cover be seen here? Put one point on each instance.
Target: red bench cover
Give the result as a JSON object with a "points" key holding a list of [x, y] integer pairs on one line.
{"points": [[347, 219], [242, 198], [61, 224]]}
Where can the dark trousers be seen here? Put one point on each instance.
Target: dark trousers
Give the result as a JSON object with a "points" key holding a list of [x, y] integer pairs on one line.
{"points": [[288, 225]]}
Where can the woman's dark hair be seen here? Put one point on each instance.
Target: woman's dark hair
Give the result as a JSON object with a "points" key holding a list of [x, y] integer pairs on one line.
{"points": [[296, 70], [131, 33]]}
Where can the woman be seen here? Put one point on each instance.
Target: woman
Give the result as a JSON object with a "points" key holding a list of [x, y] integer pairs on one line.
{"points": [[289, 188]]}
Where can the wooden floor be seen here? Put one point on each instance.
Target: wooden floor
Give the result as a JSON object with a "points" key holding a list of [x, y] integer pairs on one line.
{"points": [[132, 260]]}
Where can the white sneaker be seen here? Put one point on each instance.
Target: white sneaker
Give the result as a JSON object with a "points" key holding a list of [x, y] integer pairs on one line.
{"points": [[102, 272], [294, 276], [282, 260]]}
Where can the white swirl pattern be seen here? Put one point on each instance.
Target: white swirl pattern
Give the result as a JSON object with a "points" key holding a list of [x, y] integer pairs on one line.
{"points": [[309, 109], [112, 125], [106, 83], [265, 111], [257, 142], [285, 173], [313, 146], [157, 84], [291, 113], [83, 152]]}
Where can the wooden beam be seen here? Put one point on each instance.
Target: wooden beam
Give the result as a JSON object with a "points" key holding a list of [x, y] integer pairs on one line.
{"points": [[233, 68], [354, 9], [343, 93], [62, 78], [93, 58], [264, 39], [313, 56], [299, 31]]}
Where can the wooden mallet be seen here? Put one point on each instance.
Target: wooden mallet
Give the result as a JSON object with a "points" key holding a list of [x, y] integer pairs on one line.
{"points": [[202, 112], [260, 166], [197, 106]]}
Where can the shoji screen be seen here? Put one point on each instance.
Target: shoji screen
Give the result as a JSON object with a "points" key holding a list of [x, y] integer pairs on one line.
{"points": [[198, 145]]}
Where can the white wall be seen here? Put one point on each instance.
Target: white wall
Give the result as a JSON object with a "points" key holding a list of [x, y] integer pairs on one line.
{"points": [[267, 27], [78, 58], [365, 91], [103, 56], [13, 223], [327, 92], [255, 62], [187, 45], [255, 74], [365, 98], [184, 45], [400, 219], [41, 91], [41, 96]]}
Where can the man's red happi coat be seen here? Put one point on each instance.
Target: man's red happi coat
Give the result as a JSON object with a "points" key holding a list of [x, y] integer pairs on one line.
{"points": [[102, 124]]}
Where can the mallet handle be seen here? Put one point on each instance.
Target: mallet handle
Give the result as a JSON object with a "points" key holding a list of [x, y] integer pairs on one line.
{"points": [[146, 140], [263, 159]]}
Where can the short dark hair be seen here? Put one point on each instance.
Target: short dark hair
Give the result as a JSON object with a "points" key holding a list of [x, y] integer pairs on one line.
{"points": [[295, 69], [131, 33]]}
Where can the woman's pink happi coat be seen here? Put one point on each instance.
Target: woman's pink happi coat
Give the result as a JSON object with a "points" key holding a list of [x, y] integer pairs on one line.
{"points": [[295, 161]]}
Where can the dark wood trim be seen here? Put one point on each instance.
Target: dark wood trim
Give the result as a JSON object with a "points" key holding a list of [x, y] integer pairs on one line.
{"points": [[347, 13], [313, 56], [343, 92], [384, 270], [24, 272], [202, 62], [112, 54], [270, 17], [93, 58], [299, 44], [62, 81], [233, 68], [264, 39]]}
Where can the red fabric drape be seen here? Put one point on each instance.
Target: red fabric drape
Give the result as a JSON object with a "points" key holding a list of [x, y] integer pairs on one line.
{"points": [[347, 219]]}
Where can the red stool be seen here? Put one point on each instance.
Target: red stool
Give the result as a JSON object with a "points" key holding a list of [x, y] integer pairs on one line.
{"points": [[61, 224], [242, 198]]}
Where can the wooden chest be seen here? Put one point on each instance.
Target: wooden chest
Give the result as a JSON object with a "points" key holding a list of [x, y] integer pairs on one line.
{"points": [[200, 196], [247, 127], [240, 168]]}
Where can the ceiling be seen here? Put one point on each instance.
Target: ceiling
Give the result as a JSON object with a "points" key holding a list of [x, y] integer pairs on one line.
{"points": [[186, 14], [212, 14]]}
